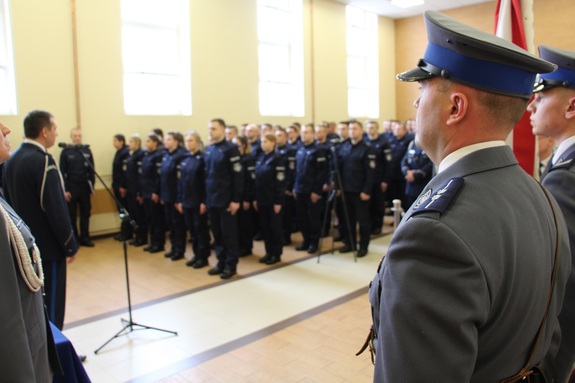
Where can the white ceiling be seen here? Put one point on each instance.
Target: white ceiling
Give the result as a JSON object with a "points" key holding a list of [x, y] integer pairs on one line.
{"points": [[385, 8]]}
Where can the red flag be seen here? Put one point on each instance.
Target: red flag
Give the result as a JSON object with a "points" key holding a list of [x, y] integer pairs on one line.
{"points": [[509, 25]]}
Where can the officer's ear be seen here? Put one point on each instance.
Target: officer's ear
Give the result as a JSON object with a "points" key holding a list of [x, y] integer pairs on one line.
{"points": [[459, 103], [570, 111]]}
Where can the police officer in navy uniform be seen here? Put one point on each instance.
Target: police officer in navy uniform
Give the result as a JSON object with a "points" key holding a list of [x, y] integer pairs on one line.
{"points": [[357, 165], [33, 187], [398, 143], [463, 289], [417, 169], [224, 186], [553, 115], [270, 189], [79, 179], [288, 153], [149, 181], [311, 174], [382, 174], [131, 190], [192, 199], [169, 177], [246, 216], [118, 178]]}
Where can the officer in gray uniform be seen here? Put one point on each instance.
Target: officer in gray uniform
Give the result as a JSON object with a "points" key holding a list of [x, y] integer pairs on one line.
{"points": [[553, 114], [464, 286]]}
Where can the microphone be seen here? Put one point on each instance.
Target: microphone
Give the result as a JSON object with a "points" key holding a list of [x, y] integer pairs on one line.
{"points": [[73, 146]]}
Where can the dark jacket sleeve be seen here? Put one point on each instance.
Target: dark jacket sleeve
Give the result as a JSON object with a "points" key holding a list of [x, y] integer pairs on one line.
{"points": [[322, 170], [369, 159], [237, 172], [281, 180], [64, 168], [54, 204]]}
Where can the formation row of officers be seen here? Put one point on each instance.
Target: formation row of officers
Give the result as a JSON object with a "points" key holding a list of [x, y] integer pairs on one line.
{"points": [[266, 183]]}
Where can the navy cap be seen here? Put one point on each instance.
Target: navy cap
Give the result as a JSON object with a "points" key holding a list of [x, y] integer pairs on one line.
{"points": [[468, 56], [564, 75]]}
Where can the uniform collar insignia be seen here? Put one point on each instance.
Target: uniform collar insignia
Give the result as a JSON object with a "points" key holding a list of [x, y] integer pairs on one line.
{"points": [[441, 199]]}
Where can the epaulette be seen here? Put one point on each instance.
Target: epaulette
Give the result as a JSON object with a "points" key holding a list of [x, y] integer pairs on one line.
{"points": [[440, 200], [566, 164]]}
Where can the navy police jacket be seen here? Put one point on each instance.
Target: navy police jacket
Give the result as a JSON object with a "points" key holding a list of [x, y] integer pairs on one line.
{"points": [[33, 187], [416, 159], [75, 168], [224, 174], [132, 165], [311, 169], [248, 162], [288, 153], [383, 158], [169, 174], [150, 173], [270, 183], [398, 150], [357, 164], [192, 184], [118, 166]]}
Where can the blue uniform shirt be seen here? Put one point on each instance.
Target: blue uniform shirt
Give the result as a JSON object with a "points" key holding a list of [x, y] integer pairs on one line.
{"points": [[311, 169], [270, 183], [132, 165], [150, 173], [416, 159], [169, 174], [192, 184], [224, 174], [357, 164]]}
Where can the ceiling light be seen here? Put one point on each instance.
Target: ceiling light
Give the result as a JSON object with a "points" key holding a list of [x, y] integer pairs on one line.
{"points": [[406, 3]]}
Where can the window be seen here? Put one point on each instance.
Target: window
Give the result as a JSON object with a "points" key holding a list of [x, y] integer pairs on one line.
{"points": [[362, 64], [280, 57], [156, 57], [7, 78]]}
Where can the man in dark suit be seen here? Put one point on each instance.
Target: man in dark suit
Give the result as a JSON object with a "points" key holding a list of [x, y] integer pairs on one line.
{"points": [[34, 188], [553, 115], [463, 289]]}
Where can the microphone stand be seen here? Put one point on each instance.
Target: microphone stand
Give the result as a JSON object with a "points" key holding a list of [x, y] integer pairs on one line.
{"points": [[336, 177], [130, 325]]}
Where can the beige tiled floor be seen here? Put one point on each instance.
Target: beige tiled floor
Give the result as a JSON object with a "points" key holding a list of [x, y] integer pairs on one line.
{"points": [[300, 322]]}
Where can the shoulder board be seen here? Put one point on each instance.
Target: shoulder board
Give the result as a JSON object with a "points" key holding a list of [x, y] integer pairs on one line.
{"points": [[567, 164], [440, 200]]}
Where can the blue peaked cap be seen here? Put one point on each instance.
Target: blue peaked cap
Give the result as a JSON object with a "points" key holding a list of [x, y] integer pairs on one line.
{"points": [[564, 75], [477, 59]]}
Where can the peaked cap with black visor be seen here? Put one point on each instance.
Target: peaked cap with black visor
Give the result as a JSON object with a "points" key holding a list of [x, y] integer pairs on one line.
{"points": [[477, 59], [564, 76]]}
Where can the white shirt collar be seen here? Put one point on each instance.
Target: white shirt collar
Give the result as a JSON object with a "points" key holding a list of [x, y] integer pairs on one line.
{"points": [[462, 152], [34, 142], [562, 148]]}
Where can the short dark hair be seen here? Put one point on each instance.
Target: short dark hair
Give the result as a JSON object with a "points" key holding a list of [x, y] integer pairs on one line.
{"points": [[120, 137], [220, 122], [35, 121], [356, 122]]}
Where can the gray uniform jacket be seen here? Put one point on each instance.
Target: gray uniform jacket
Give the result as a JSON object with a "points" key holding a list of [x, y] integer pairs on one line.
{"points": [[560, 181], [24, 348], [462, 290]]}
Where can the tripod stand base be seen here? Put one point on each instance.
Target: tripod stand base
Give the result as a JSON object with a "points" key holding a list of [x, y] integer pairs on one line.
{"points": [[128, 328]]}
